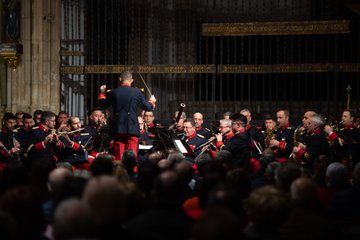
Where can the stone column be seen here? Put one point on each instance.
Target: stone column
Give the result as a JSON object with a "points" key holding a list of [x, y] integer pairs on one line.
{"points": [[35, 84]]}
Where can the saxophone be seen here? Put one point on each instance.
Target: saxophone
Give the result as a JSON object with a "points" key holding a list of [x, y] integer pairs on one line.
{"points": [[270, 134], [297, 139]]}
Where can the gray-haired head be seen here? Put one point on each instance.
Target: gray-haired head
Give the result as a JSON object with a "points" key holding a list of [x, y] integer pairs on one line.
{"points": [[336, 174], [318, 120]]}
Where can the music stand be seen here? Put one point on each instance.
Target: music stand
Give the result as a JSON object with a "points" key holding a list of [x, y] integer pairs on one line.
{"points": [[101, 141], [163, 141]]}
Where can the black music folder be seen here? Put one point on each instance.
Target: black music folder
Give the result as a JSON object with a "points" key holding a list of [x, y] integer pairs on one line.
{"points": [[164, 141]]}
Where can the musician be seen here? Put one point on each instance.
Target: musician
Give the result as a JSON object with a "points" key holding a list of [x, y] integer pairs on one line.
{"points": [[225, 129], [45, 141], [37, 116], [239, 144], [146, 138], [315, 143], [301, 131], [149, 120], [270, 129], [284, 142], [347, 139], [125, 101], [178, 126], [199, 120], [24, 133], [19, 121], [227, 115], [9, 145], [256, 137], [192, 138], [225, 133], [75, 144], [96, 121], [62, 121]]}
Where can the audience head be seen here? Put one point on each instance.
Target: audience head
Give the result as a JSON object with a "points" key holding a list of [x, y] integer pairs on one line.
{"points": [[337, 175], [304, 191], [72, 220], [267, 207], [107, 200], [102, 164], [286, 173]]}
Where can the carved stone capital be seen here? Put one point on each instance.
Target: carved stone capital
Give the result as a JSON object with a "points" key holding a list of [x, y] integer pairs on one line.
{"points": [[11, 53]]}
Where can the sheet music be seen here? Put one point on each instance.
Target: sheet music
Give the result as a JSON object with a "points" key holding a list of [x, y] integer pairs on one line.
{"points": [[180, 146], [145, 147]]}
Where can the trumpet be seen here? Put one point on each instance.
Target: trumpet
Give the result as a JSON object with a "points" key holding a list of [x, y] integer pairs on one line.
{"points": [[336, 126]]}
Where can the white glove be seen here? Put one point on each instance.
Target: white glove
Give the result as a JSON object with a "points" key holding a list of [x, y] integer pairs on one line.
{"points": [[152, 99]]}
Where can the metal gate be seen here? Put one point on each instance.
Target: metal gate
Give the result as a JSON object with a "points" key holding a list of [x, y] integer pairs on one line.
{"points": [[214, 55]]}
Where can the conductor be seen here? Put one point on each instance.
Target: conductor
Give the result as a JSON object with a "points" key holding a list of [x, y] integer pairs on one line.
{"points": [[125, 102]]}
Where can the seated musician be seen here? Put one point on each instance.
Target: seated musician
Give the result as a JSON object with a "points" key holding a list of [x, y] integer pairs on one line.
{"points": [[346, 139], [9, 145], [99, 132], [192, 138], [257, 140], [62, 121], [200, 129], [270, 129], [24, 134], [96, 121], [149, 120], [239, 144], [178, 127], [315, 143], [225, 133], [146, 140], [75, 142], [45, 141], [284, 141]]}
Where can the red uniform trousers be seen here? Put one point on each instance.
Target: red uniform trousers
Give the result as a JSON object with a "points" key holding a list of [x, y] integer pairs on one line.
{"points": [[123, 142]]}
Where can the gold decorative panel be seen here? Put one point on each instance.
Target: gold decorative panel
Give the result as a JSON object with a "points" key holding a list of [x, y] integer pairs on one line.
{"points": [[276, 28], [72, 69], [225, 69]]}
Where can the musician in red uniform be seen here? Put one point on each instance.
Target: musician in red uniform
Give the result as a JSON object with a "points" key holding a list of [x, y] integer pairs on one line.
{"points": [[45, 141], [315, 143], [284, 141], [239, 144], [9, 145], [200, 129], [257, 140], [347, 139], [192, 138]]}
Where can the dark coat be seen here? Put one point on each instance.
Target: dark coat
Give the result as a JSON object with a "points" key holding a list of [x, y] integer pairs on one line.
{"points": [[125, 102], [316, 144], [286, 138], [239, 146]]}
